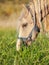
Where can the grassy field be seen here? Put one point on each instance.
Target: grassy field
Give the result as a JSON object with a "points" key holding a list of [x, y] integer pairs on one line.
{"points": [[36, 54]]}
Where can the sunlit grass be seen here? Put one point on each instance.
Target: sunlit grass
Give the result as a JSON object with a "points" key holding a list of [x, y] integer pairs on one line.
{"points": [[36, 54]]}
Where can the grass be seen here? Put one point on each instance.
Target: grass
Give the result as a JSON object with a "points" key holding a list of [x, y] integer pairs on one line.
{"points": [[36, 54], [7, 9]]}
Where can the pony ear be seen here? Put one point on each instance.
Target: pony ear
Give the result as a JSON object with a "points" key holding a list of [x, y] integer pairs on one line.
{"points": [[23, 5]]}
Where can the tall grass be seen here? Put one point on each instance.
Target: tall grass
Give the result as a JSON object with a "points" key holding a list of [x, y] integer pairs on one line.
{"points": [[8, 9], [36, 54]]}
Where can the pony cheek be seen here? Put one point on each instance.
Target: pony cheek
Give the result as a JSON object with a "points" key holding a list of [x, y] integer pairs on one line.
{"points": [[34, 35]]}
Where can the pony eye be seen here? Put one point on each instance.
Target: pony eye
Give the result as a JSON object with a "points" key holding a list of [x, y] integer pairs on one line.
{"points": [[25, 25]]}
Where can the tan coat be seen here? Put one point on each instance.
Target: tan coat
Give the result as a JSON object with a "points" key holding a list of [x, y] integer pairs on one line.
{"points": [[38, 13]]}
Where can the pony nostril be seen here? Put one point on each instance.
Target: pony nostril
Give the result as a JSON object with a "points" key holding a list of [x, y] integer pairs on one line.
{"points": [[24, 25]]}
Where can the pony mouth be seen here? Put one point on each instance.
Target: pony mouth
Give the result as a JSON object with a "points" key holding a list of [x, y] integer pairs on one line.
{"points": [[30, 40]]}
